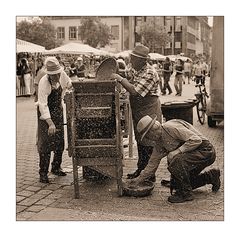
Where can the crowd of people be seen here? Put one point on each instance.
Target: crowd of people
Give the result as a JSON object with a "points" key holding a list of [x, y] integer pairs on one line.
{"points": [[188, 151]]}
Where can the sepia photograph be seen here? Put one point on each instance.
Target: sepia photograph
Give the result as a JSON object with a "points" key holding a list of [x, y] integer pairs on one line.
{"points": [[119, 118]]}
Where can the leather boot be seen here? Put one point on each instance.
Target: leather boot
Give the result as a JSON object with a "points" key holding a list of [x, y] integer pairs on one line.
{"points": [[134, 174], [213, 177]]}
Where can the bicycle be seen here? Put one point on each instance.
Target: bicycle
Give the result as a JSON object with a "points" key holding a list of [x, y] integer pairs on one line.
{"points": [[201, 103]]}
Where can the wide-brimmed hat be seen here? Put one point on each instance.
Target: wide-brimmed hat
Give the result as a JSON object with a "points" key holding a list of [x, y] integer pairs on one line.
{"points": [[140, 51], [145, 124], [52, 66], [79, 59]]}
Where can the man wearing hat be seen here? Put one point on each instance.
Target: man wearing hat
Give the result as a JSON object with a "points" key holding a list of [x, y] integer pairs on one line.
{"points": [[188, 153], [143, 87], [80, 67], [51, 89]]}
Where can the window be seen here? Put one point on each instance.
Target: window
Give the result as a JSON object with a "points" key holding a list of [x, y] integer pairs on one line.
{"points": [[60, 33], [178, 36], [191, 21], [178, 24], [115, 32], [72, 32], [191, 38]]}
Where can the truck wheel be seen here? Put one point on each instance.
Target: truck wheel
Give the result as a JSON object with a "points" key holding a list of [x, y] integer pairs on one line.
{"points": [[211, 122]]}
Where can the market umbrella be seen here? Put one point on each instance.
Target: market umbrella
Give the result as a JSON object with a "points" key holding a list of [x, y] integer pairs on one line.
{"points": [[174, 57], [24, 46], [74, 48], [157, 56], [123, 54]]}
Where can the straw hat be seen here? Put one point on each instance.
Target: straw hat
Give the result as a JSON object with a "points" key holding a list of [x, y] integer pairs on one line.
{"points": [[145, 124], [52, 66], [140, 51]]}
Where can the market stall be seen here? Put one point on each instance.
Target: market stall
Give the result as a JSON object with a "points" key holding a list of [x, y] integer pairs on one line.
{"points": [[23, 50]]}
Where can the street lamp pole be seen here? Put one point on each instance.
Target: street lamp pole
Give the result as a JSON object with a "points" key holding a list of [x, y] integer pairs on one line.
{"points": [[173, 35]]}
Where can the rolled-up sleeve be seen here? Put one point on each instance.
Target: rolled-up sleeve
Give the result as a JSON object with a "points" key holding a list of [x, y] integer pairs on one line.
{"points": [[153, 164], [44, 90], [65, 82]]}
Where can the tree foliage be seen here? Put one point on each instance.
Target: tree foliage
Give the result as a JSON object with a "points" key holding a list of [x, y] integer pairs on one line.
{"points": [[38, 32], [94, 33], [154, 35]]}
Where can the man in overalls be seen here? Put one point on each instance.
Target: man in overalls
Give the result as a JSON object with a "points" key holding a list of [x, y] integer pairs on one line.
{"points": [[50, 118], [188, 153], [143, 87]]}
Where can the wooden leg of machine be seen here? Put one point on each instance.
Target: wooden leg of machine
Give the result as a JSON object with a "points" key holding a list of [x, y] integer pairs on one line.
{"points": [[119, 177], [75, 178]]}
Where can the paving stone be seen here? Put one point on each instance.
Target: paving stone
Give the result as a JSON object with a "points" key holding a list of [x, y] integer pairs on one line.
{"points": [[20, 208], [25, 193], [33, 188], [19, 198], [35, 208], [45, 201], [52, 187], [28, 201], [23, 216], [45, 191]]}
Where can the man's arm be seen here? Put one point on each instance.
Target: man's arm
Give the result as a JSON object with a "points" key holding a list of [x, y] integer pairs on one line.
{"points": [[151, 167], [125, 83]]}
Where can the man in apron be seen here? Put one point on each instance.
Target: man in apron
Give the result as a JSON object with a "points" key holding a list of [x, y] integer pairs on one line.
{"points": [[143, 87], [51, 88]]}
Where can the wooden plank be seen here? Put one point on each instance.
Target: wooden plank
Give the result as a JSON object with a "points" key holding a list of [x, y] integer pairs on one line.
{"points": [[91, 142], [99, 161]]}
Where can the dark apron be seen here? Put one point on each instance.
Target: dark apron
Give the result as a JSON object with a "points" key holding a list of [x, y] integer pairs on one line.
{"points": [[55, 142], [141, 106]]}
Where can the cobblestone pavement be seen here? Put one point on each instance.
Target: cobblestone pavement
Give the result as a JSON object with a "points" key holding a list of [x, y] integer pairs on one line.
{"points": [[99, 200]]}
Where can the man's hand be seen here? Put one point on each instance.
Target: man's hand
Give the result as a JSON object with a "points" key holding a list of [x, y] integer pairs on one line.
{"points": [[117, 77], [51, 130], [132, 183], [51, 127], [171, 155]]}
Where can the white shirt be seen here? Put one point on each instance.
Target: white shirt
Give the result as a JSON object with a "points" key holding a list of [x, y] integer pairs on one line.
{"points": [[44, 90]]}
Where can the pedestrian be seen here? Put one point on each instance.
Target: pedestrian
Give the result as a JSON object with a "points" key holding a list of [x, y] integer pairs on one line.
{"points": [[178, 77], [80, 67], [187, 70], [73, 71], [198, 72], [27, 76], [143, 87], [188, 154], [204, 71], [51, 89], [167, 71], [40, 73], [158, 67]]}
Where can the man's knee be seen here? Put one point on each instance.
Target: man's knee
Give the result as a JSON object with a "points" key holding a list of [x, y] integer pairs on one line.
{"points": [[176, 163]]}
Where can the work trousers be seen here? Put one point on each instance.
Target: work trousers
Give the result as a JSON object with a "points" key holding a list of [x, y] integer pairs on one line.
{"points": [[185, 168], [45, 160]]}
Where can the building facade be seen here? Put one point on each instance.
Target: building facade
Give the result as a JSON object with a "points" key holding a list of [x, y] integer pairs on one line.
{"points": [[121, 28], [191, 35]]}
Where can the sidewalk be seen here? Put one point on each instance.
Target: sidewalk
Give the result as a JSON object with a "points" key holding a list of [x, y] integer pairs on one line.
{"points": [[99, 201]]}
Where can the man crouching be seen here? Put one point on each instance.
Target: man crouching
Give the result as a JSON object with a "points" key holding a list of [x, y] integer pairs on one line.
{"points": [[188, 153]]}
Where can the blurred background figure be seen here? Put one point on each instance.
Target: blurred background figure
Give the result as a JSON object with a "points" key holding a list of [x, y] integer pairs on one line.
{"points": [[187, 70], [167, 71], [80, 67], [178, 77]]}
